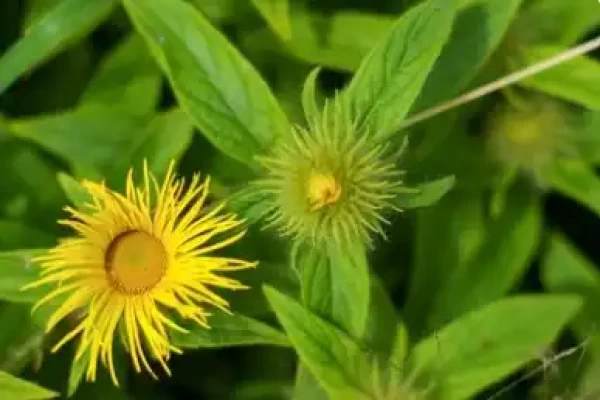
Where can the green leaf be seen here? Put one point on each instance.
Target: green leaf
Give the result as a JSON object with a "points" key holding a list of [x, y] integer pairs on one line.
{"points": [[15, 234], [586, 138], [500, 261], [228, 330], [121, 143], [399, 351], [339, 41], [426, 194], [566, 270], [252, 302], [576, 19], [74, 191], [331, 356], [390, 78], [277, 15], [36, 10], [306, 386], [454, 228], [382, 322], [21, 340], [477, 31], [16, 388], [452, 134], [103, 387], [309, 99], [335, 284], [106, 132], [222, 11], [492, 342], [25, 171], [260, 389], [18, 270], [77, 372], [568, 81], [164, 139], [227, 99], [127, 79], [576, 180], [60, 27]]}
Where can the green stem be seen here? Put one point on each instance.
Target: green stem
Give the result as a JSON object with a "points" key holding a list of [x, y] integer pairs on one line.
{"points": [[503, 82]]}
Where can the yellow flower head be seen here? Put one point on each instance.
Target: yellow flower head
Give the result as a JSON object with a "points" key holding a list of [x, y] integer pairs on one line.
{"points": [[136, 258]]}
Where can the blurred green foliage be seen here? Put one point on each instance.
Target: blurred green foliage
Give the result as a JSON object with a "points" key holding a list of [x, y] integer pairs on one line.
{"points": [[488, 284]]}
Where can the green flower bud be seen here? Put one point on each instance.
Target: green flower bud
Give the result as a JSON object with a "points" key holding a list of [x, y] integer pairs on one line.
{"points": [[330, 181]]}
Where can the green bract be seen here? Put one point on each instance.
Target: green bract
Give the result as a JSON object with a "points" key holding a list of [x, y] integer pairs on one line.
{"points": [[531, 138]]}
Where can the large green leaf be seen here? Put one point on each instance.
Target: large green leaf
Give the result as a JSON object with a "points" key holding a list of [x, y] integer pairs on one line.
{"points": [[492, 342], [277, 14], [164, 139], [127, 79], [222, 11], [60, 27], [391, 76], [34, 10], [161, 140], [576, 19], [215, 85], [338, 41], [500, 261], [335, 285], [578, 181], [382, 320], [229, 330], [454, 228], [569, 81], [332, 357], [477, 31], [306, 387], [16, 234], [18, 270], [92, 137], [16, 388]]}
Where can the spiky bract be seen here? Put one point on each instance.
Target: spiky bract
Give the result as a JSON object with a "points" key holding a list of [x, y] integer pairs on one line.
{"points": [[331, 182]]}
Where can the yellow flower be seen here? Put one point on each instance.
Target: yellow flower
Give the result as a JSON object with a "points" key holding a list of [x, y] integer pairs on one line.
{"points": [[136, 258]]}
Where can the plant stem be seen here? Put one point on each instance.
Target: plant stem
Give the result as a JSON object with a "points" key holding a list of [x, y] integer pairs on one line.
{"points": [[503, 82]]}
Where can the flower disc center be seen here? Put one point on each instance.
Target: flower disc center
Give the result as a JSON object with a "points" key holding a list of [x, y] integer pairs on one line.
{"points": [[524, 132], [323, 189], [135, 262]]}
